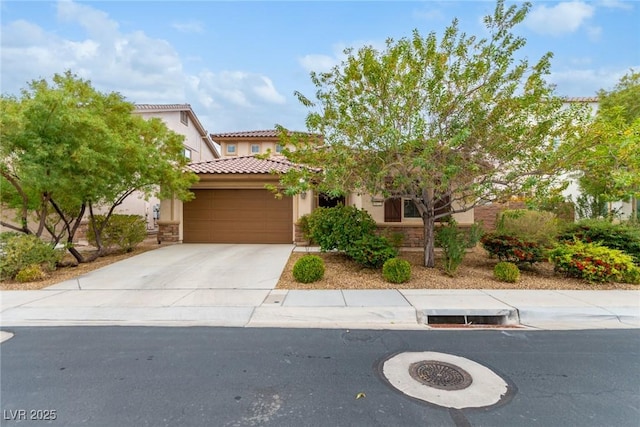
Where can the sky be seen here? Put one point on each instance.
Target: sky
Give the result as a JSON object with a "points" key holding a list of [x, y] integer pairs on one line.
{"points": [[238, 63]]}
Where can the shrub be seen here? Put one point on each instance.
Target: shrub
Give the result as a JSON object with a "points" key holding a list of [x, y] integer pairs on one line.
{"points": [[454, 243], [396, 270], [593, 262], [506, 272], [371, 251], [512, 249], [122, 231], [303, 222], [624, 236], [339, 227], [529, 225], [23, 250], [309, 268], [30, 273]]}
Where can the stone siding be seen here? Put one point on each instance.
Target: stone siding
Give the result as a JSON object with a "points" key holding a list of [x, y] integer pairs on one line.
{"points": [[168, 231]]}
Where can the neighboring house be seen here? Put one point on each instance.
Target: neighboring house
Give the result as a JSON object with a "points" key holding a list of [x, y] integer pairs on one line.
{"points": [[198, 147], [231, 203]]}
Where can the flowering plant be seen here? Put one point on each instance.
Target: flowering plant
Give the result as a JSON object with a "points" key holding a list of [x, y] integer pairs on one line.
{"points": [[512, 249], [593, 262]]}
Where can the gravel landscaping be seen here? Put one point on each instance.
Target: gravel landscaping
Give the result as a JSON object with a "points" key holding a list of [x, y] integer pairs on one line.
{"points": [[476, 272]]}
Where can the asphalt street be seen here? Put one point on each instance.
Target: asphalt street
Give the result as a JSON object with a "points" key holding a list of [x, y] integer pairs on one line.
{"points": [[204, 376]]}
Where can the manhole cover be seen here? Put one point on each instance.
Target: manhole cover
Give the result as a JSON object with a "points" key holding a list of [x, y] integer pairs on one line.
{"points": [[440, 375], [445, 380]]}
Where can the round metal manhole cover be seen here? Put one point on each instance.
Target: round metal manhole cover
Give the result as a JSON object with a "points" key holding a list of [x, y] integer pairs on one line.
{"points": [[440, 375], [445, 380]]}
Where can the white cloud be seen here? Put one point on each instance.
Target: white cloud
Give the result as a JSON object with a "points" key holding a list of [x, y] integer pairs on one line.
{"points": [[195, 27], [237, 88], [566, 17], [268, 92]]}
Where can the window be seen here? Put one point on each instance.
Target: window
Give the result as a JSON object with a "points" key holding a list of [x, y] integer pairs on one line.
{"points": [[255, 148], [231, 148], [184, 119], [187, 153], [278, 148], [397, 209], [410, 210]]}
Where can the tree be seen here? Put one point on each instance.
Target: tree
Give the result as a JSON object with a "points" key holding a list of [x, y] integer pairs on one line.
{"points": [[448, 123], [608, 156], [68, 149]]}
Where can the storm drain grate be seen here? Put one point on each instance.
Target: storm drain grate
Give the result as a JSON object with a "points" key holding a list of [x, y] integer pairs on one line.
{"points": [[440, 375], [466, 320]]}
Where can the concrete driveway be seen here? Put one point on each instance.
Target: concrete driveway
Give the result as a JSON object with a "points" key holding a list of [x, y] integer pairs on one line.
{"points": [[191, 266], [179, 282]]}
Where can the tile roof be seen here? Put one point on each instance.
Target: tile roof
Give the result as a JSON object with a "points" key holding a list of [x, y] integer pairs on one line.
{"points": [[268, 133], [242, 164], [163, 107]]}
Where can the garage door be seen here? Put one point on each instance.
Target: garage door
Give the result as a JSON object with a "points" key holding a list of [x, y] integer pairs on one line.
{"points": [[237, 216]]}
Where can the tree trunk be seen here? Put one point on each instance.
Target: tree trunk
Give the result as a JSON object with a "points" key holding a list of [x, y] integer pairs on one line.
{"points": [[428, 222]]}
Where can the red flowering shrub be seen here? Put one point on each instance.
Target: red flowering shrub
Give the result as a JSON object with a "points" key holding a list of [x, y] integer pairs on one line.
{"points": [[594, 263], [512, 249]]}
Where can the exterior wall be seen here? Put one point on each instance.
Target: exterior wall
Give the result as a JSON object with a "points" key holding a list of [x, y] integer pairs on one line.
{"points": [[377, 212], [193, 140], [243, 148]]}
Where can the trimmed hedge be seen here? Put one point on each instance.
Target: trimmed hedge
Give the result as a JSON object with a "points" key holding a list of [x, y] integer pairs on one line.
{"points": [[309, 268], [396, 270], [506, 272]]}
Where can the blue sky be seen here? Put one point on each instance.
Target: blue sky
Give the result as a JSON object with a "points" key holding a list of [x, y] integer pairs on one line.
{"points": [[238, 63]]}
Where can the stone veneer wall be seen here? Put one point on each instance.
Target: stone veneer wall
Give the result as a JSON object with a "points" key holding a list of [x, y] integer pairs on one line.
{"points": [[168, 231]]}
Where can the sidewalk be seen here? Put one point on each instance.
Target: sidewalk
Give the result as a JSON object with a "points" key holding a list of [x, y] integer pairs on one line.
{"points": [[370, 309]]}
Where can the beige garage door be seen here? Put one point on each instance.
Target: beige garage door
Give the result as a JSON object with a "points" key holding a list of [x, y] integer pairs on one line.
{"points": [[237, 216]]}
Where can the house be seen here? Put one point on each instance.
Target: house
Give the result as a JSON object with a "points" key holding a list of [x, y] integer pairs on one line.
{"points": [[198, 147], [232, 205]]}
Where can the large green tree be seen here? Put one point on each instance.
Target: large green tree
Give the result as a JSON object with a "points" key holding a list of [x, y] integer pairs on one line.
{"points": [[449, 122], [68, 149], [608, 156]]}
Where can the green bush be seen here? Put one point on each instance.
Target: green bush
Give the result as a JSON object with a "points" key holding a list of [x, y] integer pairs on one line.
{"points": [[528, 225], [23, 250], [453, 242], [396, 270], [30, 273], [593, 262], [309, 268], [506, 272], [512, 249], [624, 236], [124, 232], [371, 251], [339, 227]]}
